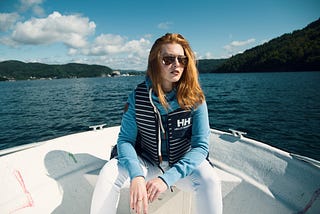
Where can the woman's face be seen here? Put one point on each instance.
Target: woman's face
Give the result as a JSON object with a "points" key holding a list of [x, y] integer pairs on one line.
{"points": [[173, 62]]}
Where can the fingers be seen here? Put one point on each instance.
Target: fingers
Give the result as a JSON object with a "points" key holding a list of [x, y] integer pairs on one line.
{"points": [[154, 188], [141, 206], [153, 195], [138, 195], [142, 193], [151, 191], [145, 205]]}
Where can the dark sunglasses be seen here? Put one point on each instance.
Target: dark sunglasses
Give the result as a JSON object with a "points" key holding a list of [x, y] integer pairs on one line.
{"points": [[168, 60]]}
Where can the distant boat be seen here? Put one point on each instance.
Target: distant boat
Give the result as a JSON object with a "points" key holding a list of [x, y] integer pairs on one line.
{"points": [[115, 73], [59, 175]]}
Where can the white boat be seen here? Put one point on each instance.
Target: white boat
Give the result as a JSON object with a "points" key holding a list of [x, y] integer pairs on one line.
{"points": [[59, 175]]}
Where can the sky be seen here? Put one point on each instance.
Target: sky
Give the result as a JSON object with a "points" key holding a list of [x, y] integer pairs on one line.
{"points": [[119, 34]]}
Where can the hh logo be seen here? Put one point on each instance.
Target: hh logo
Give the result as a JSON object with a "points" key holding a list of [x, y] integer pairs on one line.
{"points": [[184, 122]]}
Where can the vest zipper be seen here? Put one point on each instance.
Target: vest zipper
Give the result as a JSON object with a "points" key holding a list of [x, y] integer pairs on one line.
{"points": [[168, 143], [156, 155], [160, 126]]}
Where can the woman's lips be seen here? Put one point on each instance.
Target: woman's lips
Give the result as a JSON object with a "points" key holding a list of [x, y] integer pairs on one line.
{"points": [[175, 72]]}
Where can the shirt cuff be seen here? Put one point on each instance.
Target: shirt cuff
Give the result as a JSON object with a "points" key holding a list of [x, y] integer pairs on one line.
{"points": [[135, 170]]}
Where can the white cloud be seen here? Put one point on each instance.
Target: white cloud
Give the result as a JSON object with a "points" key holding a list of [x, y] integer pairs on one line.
{"points": [[208, 55], [38, 10], [7, 41], [148, 36], [238, 46], [34, 5], [139, 47], [165, 25], [106, 44], [71, 30], [77, 33], [115, 62], [242, 43], [7, 20], [234, 44], [264, 41], [115, 51], [129, 62], [30, 3], [72, 51]]}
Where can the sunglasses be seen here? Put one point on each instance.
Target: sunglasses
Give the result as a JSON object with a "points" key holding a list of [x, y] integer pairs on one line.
{"points": [[168, 60]]}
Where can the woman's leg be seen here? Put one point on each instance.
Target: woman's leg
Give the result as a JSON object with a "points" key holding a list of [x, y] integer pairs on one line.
{"points": [[111, 179], [106, 194], [207, 186]]}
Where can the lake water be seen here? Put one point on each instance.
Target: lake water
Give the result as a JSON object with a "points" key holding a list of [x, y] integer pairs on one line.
{"points": [[280, 109]]}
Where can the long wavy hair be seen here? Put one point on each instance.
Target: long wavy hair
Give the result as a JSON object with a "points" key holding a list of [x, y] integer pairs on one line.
{"points": [[189, 92]]}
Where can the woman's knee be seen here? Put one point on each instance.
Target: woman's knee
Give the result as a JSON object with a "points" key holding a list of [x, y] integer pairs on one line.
{"points": [[109, 167], [207, 174], [112, 171]]}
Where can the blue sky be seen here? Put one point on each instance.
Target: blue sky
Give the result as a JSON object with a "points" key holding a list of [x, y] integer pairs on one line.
{"points": [[119, 33]]}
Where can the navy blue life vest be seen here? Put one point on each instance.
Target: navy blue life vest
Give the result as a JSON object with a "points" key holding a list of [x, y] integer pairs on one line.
{"points": [[179, 128]]}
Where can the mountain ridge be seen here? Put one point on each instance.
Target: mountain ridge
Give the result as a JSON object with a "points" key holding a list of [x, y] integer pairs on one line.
{"points": [[296, 51], [17, 70]]}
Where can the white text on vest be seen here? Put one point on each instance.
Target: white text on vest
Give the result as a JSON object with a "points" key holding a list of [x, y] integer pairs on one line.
{"points": [[183, 122]]}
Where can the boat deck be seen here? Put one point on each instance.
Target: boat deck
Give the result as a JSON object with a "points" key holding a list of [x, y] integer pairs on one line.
{"points": [[58, 176]]}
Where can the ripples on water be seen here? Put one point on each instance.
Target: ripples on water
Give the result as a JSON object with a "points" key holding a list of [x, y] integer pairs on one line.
{"points": [[33, 111], [281, 109]]}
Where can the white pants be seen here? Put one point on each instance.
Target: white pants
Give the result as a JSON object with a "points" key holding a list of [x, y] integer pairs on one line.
{"points": [[203, 181]]}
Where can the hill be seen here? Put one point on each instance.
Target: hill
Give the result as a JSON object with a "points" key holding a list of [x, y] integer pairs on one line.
{"points": [[16, 70], [296, 51], [209, 65]]}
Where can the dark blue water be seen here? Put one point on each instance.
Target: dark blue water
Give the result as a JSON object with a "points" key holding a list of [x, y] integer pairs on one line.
{"points": [[280, 109]]}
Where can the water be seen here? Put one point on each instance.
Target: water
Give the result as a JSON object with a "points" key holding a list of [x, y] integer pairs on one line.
{"points": [[280, 109]]}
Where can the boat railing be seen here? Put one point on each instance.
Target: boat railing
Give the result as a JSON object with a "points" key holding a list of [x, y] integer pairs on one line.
{"points": [[97, 127], [237, 133]]}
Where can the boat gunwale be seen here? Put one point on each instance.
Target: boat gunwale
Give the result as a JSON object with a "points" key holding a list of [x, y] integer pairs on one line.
{"points": [[269, 148], [243, 139]]}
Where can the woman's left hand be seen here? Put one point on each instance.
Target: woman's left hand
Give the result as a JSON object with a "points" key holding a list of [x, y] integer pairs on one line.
{"points": [[155, 187], [138, 195]]}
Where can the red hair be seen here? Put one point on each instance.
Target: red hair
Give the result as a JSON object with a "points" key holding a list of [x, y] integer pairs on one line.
{"points": [[189, 92]]}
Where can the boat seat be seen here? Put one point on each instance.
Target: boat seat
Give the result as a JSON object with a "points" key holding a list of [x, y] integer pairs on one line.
{"points": [[176, 202], [228, 181]]}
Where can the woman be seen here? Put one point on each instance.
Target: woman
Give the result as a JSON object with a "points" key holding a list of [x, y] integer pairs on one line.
{"points": [[163, 140]]}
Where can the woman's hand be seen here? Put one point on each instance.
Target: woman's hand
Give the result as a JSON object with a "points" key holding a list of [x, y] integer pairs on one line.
{"points": [[138, 195], [155, 187]]}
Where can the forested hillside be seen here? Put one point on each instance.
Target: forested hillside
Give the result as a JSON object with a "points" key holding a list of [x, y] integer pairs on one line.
{"points": [[16, 70], [209, 65], [296, 51]]}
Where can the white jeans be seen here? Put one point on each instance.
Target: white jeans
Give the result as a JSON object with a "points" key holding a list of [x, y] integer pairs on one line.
{"points": [[203, 180]]}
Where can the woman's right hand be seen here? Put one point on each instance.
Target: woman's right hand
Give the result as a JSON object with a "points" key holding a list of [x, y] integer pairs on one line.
{"points": [[138, 195]]}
